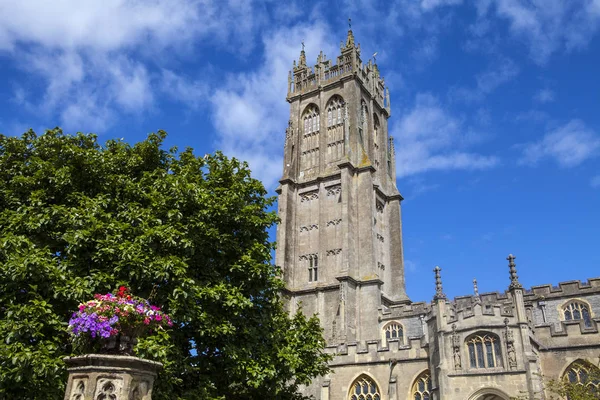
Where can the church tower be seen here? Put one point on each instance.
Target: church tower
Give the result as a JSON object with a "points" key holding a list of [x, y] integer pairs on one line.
{"points": [[340, 236], [340, 247]]}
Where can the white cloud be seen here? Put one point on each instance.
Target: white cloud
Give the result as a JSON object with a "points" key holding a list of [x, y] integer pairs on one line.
{"points": [[106, 59], [432, 139], [250, 112], [190, 92], [500, 72], [432, 4], [547, 26], [595, 182], [410, 266], [116, 24], [569, 145], [544, 96]]}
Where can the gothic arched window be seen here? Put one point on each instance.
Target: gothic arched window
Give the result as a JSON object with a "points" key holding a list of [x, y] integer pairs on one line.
{"points": [[364, 388], [376, 128], [393, 330], [362, 120], [421, 389], [578, 310], [484, 350], [585, 374], [335, 111], [311, 119]]}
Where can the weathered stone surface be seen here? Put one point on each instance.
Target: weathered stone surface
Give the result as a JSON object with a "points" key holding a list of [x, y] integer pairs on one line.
{"points": [[110, 377]]}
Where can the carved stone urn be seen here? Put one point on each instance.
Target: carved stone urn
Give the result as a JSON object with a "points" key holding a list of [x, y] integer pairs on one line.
{"points": [[110, 377]]}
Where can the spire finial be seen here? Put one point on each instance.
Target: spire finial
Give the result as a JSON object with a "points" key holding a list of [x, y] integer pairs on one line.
{"points": [[439, 292], [302, 60], [514, 278], [475, 288], [350, 38]]}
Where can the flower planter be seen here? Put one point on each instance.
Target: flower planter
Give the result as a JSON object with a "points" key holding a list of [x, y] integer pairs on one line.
{"points": [[110, 377]]}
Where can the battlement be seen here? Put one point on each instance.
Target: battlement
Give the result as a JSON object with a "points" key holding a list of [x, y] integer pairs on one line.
{"points": [[373, 351], [564, 289], [405, 310], [303, 79]]}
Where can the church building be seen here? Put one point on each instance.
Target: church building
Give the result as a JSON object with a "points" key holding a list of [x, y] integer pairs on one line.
{"points": [[340, 248]]}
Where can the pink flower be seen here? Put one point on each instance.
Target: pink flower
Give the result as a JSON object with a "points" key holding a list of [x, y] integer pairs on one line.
{"points": [[146, 321], [158, 318]]}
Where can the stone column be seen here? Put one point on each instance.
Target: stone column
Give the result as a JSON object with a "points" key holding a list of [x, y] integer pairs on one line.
{"points": [[110, 377]]}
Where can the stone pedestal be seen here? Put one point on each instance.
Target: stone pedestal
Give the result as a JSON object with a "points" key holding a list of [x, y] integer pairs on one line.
{"points": [[110, 377]]}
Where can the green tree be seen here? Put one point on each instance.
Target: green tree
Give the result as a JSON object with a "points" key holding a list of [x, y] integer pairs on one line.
{"points": [[581, 381], [78, 218]]}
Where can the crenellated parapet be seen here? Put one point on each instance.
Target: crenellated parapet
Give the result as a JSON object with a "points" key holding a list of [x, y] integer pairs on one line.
{"points": [[563, 289], [304, 79]]}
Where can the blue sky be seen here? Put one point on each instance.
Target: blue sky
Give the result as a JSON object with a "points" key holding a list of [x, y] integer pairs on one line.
{"points": [[495, 107]]}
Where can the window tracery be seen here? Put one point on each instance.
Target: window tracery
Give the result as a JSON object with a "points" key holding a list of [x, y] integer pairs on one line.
{"points": [[336, 115], [585, 374], [393, 330], [376, 128], [362, 120], [364, 388], [484, 350], [313, 268], [311, 120], [421, 389], [578, 310], [335, 110], [310, 139]]}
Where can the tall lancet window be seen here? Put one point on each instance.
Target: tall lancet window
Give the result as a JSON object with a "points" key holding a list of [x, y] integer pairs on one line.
{"points": [[310, 138], [376, 129], [362, 121], [313, 268], [335, 114], [335, 128], [311, 120]]}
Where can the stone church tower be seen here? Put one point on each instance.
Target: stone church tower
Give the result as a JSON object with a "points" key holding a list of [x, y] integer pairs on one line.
{"points": [[340, 248], [340, 241]]}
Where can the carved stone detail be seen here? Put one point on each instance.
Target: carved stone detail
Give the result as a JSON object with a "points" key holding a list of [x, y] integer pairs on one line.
{"points": [[305, 257], [110, 377], [333, 190], [380, 238], [334, 222], [510, 346], [306, 228], [79, 391], [304, 197], [333, 252], [379, 206], [456, 348], [108, 389]]}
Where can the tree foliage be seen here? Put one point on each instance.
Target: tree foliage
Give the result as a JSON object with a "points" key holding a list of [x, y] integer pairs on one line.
{"points": [[78, 218], [579, 383]]}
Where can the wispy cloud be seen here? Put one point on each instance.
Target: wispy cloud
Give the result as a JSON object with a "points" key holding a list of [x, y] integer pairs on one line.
{"points": [[569, 145], [101, 61], [546, 26], [433, 139], [544, 96], [595, 182], [499, 73], [250, 113]]}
